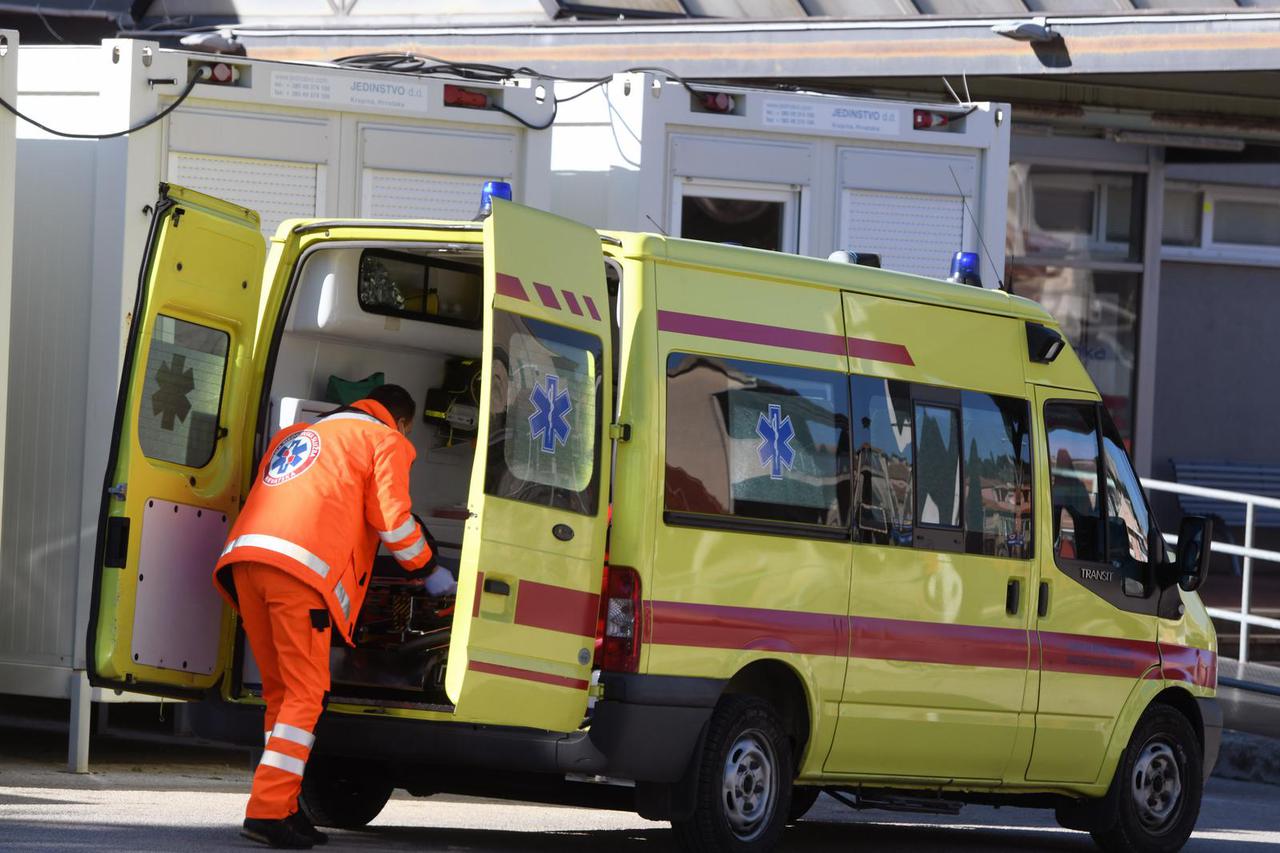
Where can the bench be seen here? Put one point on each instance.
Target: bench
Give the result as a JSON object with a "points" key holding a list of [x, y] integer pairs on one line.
{"points": [[1249, 478]]}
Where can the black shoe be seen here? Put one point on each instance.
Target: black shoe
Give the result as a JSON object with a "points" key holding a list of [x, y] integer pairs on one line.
{"points": [[304, 827], [275, 833]]}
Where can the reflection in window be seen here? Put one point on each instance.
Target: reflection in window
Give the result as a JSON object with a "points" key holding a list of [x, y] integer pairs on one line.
{"points": [[997, 472], [882, 459], [1128, 521], [756, 441], [937, 466], [1098, 312], [182, 392], [545, 414], [1073, 481]]}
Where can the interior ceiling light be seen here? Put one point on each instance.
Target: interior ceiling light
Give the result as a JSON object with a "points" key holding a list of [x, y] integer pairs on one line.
{"points": [[1036, 31]]}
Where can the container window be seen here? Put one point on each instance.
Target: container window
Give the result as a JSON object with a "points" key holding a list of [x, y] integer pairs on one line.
{"points": [[756, 441], [182, 392], [997, 475], [545, 414], [882, 461], [1073, 462]]}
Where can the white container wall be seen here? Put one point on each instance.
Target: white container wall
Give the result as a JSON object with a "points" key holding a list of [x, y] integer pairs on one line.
{"points": [[289, 140], [796, 172], [8, 153]]}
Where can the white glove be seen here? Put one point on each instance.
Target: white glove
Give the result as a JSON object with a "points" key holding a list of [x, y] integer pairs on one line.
{"points": [[441, 582]]}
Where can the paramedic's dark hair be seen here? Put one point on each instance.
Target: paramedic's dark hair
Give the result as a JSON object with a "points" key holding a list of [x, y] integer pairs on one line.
{"points": [[397, 401]]}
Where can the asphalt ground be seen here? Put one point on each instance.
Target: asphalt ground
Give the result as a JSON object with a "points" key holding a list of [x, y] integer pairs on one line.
{"points": [[166, 795]]}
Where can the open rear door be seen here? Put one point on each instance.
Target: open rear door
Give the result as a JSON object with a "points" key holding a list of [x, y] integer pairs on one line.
{"points": [[533, 555], [174, 478]]}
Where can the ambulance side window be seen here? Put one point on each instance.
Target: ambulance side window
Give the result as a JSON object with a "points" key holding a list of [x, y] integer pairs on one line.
{"points": [[997, 475], [182, 392], [883, 461], [1078, 532], [1128, 519], [545, 414], [751, 444]]}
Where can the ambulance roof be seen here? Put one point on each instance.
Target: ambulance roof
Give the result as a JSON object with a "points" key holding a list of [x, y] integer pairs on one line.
{"points": [[810, 272]]}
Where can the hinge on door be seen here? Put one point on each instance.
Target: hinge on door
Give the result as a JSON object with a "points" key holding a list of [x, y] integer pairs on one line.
{"points": [[620, 432], [118, 491]]}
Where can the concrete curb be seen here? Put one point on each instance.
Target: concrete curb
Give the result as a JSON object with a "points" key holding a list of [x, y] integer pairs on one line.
{"points": [[1249, 758]]}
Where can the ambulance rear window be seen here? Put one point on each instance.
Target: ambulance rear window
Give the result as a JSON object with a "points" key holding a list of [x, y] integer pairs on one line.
{"points": [[545, 414], [182, 392]]}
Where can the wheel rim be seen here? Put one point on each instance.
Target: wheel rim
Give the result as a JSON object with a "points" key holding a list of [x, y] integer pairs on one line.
{"points": [[750, 785], [1157, 784]]}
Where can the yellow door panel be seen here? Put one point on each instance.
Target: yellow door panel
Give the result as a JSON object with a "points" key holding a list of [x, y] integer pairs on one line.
{"points": [[174, 483], [533, 557]]}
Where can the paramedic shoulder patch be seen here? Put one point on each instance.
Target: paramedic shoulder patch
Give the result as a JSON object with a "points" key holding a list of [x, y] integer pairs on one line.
{"points": [[292, 458]]}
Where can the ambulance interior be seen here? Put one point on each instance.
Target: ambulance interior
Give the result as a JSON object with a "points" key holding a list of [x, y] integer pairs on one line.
{"points": [[412, 315]]}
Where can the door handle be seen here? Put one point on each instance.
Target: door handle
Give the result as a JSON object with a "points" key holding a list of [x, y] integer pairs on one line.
{"points": [[1012, 596], [497, 587], [1042, 605]]}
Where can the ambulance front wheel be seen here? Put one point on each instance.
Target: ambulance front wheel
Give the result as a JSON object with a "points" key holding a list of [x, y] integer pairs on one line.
{"points": [[1154, 799], [342, 794], [742, 793]]}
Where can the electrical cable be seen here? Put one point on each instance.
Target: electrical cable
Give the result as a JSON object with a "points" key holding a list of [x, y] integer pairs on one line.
{"points": [[425, 65], [202, 75]]}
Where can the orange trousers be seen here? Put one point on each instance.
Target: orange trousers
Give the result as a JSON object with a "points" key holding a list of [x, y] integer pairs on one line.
{"points": [[280, 615]]}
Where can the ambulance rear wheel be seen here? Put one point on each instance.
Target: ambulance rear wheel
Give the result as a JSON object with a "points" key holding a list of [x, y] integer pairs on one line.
{"points": [[342, 795], [1154, 799], [742, 796]]}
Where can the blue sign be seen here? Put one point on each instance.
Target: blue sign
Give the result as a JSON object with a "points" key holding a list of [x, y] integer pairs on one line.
{"points": [[776, 434], [550, 418]]}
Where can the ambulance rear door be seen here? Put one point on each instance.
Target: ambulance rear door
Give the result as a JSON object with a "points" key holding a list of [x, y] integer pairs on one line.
{"points": [[173, 482], [533, 553]]}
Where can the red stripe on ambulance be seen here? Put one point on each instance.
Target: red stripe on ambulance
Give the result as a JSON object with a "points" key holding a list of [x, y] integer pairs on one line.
{"points": [[557, 608], [527, 675], [509, 285]]}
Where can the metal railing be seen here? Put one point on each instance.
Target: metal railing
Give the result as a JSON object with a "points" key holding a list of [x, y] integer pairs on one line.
{"points": [[1249, 553]]}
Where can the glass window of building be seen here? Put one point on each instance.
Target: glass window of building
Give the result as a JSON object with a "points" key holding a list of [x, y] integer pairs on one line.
{"points": [[1074, 244]]}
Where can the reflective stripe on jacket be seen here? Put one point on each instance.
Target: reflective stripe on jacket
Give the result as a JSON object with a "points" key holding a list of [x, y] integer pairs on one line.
{"points": [[325, 495]]}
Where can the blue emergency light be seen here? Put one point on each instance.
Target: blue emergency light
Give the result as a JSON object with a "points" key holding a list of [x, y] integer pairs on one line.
{"points": [[964, 269], [490, 191]]}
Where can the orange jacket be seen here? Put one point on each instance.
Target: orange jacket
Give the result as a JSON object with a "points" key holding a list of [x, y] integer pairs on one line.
{"points": [[324, 496]]}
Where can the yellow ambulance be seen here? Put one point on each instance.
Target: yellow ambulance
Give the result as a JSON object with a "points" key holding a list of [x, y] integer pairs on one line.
{"points": [[729, 528]]}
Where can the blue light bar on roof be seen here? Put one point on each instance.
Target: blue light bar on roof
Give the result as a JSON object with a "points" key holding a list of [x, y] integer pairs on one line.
{"points": [[490, 191], [964, 269]]}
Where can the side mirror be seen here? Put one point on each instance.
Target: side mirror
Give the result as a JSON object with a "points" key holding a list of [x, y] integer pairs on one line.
{"points": [[1194, 538]]}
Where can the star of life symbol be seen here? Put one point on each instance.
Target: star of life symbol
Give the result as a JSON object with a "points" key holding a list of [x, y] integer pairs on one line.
{"points": [[776, 433], [292, 458], [550, 418]]}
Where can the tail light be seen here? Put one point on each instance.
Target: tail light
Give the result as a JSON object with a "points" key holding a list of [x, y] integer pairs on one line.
{"points": [[456, 96], [618, 627], [925, 119]]}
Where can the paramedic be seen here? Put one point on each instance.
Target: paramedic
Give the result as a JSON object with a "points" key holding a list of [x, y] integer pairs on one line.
{"points": [[297, 562]]}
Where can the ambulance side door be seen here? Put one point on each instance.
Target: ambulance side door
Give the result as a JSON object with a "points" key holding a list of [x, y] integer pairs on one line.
{"points": [[533, 553], [1097, 599], [173, 480]]}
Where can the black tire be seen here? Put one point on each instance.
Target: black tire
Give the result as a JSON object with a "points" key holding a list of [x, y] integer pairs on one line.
{"points": [[1154, 799], [802, 799], [341, 794], [742, 794]]}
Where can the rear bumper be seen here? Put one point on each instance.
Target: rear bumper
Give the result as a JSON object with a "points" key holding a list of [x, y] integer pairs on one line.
{"points": [[1211, 717], [646, 729]]}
